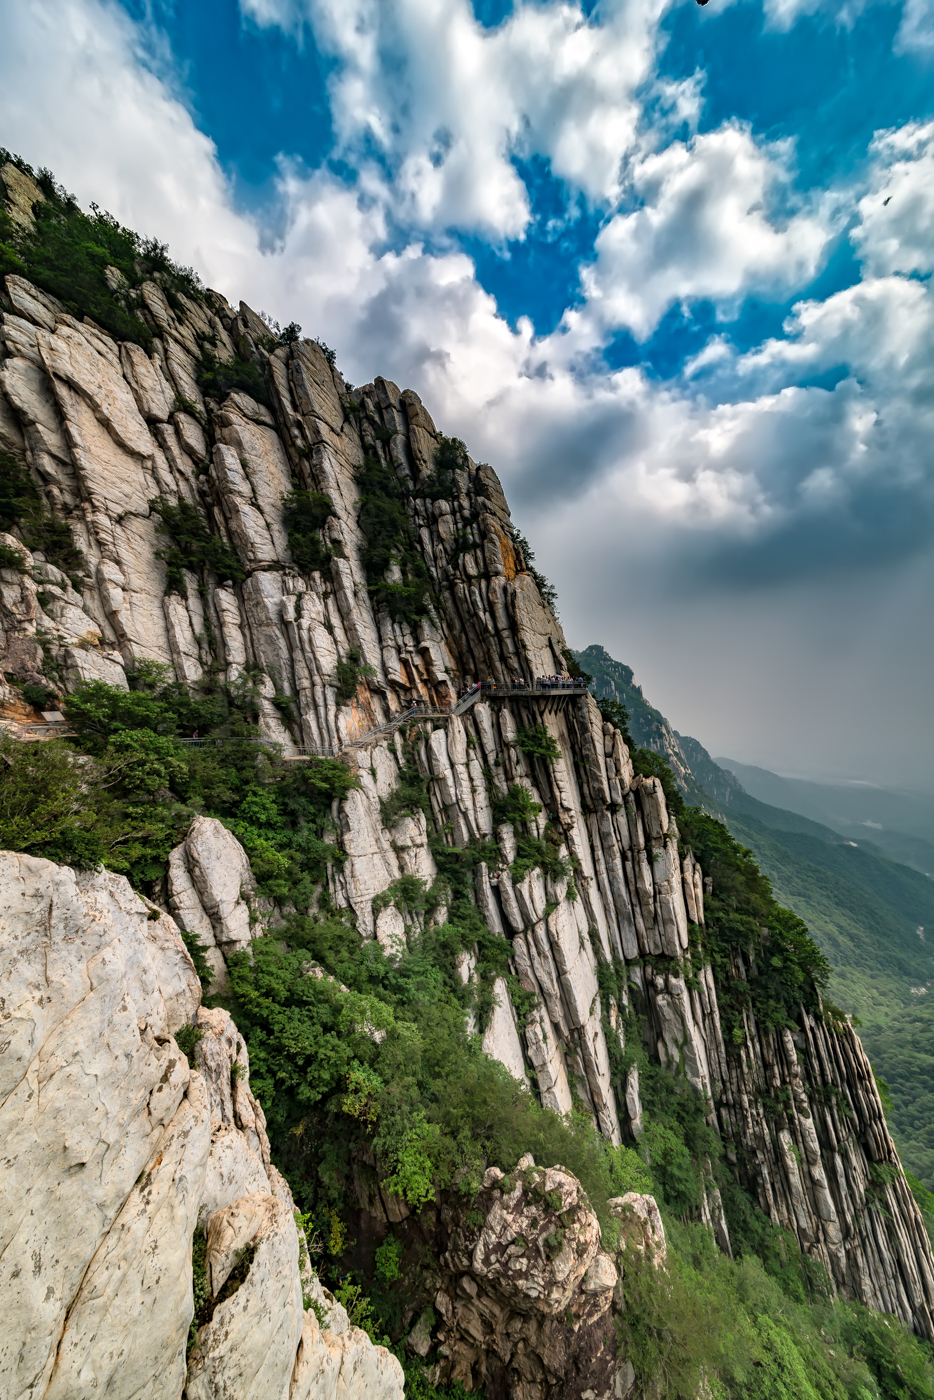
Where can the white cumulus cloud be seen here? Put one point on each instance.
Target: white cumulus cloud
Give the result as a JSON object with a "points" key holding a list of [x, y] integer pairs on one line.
{"points": [[895, 232], [425, 96], [709, 224]]}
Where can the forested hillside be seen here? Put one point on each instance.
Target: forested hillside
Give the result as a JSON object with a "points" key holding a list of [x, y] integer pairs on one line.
{"points": [[900, 823]]}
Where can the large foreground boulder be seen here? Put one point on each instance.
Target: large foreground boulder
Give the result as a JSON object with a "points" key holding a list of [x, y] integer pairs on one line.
{"points": [[115, 1148], [529, 1297]]}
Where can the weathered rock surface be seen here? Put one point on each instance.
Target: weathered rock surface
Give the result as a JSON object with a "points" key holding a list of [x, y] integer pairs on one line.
{"points": [[528, 1300], [90, 1082], [114, 1148], [209, 884], [248, 1348], [127, 1328]]}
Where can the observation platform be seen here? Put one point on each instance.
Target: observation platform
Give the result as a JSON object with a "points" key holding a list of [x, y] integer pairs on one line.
{"points": [[551, 696]]}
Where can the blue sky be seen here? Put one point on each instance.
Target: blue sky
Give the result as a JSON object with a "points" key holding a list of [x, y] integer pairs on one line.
{"points": [[836, 82], [666, 267]]}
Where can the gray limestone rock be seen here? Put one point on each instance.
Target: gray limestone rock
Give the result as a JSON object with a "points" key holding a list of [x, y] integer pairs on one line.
{"points": [[249, 1346], [528, 1297], [218, 877], [128, 1325], [114, 1147], [90, 1081], [149, 385], [22, 194]]}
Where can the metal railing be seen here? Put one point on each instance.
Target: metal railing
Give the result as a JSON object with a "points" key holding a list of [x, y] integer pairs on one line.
{"points": [[229, 739], [538, 687], [35, 731], [541, 689], [414, 712]]}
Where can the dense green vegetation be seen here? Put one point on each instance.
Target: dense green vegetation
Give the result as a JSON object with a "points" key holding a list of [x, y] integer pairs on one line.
{"points": [[390, 542], [218, 378], [788, 967], [436, 1110], [794, 968], [865, 912], [192, 546], [305, 514], [736, 1325], [134, 791], [67, 252], [22, 507]]}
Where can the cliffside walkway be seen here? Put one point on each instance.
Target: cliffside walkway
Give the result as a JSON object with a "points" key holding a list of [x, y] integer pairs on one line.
{"points": [[28, 733], [550, 695], [378, 732]]}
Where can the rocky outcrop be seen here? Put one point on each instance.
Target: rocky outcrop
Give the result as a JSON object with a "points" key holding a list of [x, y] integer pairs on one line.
{"points": [[528, 1299], [105, 429], [209, 884], [92, 1087], [249, 1345], [115, 1148]]}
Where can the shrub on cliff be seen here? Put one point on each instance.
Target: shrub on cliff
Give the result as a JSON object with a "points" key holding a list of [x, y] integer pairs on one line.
{"points": [[123, 792], [67, 252], [785, 967], [349, 672], [390, 543], [192, 546], [305, 514], [43, 790], [386, 1053], [547, 590], [22, 506], [67, 808], [218, 378], [536, 741]]}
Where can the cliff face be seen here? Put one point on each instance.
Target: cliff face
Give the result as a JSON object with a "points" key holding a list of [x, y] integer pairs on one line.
{"points": [[116, 1148], [649, 728], [412, 599]]}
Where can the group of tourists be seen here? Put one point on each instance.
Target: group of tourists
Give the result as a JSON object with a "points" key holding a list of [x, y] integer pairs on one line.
{"points": [[563, 682], [517, 683]]}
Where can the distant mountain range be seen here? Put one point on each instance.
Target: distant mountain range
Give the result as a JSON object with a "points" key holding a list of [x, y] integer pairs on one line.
{"points": [[841, 857], [899, 823]]}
